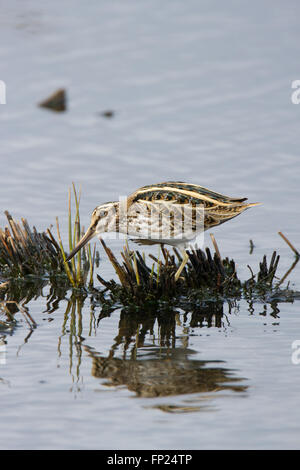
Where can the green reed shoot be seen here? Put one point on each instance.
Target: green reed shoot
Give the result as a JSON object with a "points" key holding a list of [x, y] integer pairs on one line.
{"points": [[81, 265]]}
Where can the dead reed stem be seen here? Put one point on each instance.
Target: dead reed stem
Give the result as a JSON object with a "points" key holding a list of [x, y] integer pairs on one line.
{"points": [[289, 244]]}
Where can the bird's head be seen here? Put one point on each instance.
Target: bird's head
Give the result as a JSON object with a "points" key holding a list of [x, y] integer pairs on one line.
{"points": [[103, 220]]}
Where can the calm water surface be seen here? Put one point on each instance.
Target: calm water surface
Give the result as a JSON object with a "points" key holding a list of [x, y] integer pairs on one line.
{"points": [[201, 93]]}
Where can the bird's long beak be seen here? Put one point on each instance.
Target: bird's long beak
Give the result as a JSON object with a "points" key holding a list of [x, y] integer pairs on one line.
{"points": [[90, 233]]}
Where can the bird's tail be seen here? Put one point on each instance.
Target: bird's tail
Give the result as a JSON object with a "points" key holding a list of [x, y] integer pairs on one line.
{"points": [[250, 204]]}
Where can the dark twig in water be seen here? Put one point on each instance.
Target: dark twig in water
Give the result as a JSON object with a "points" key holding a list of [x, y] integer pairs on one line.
{"points": [[266, 274], [288, 272], [289, 244]]}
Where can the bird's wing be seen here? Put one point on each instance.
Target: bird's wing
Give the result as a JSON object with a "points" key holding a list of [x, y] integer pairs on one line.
{"points": [[167, 220], [183, 193], [175, 207]]}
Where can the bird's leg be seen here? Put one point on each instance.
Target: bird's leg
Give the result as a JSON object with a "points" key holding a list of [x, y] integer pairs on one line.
{"points": [[183, 263]]}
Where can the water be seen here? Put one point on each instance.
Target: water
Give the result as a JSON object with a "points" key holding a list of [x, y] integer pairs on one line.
{"points": [[201, 93]]}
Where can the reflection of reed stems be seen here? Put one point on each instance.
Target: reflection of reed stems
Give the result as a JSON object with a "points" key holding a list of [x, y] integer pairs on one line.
{"points": [[24, 311]]}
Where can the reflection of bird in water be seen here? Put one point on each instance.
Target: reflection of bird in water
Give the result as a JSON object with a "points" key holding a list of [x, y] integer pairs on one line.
{"points": [[171, 213], [165, 370], [158, 376]]}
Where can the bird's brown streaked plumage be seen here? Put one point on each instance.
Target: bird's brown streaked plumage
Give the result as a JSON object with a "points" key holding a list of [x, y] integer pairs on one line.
{"points": [[181, 192], [218, 208], [154, 213]]}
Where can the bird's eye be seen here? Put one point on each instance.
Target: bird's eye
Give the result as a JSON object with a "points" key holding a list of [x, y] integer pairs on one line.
{"points": [[103, 213]]}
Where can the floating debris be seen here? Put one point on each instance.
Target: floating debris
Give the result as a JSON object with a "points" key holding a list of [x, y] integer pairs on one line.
{"points": [[56, 102], [108, 114]]}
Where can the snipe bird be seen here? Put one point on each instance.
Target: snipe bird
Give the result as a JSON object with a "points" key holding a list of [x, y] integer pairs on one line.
{"points": [[171, 213]]}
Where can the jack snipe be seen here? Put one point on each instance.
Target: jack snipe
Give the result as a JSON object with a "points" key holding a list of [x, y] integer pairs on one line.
{"points": [[171, 213]]}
